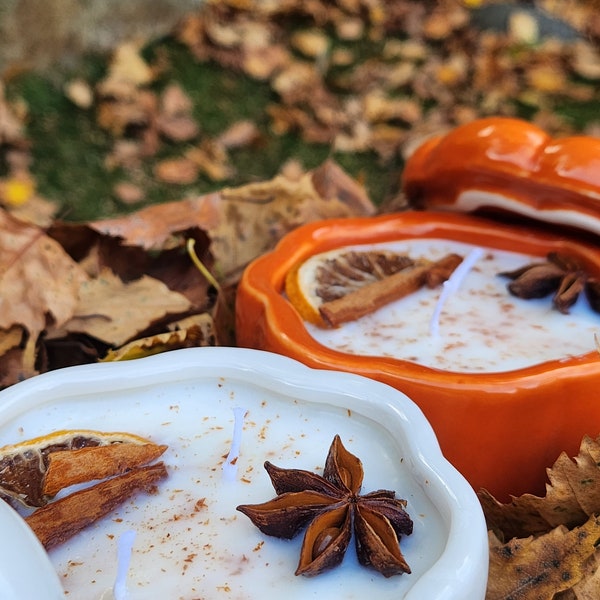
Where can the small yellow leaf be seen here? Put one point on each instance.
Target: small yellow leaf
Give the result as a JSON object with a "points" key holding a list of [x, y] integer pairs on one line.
{"points": [[15, 191]]}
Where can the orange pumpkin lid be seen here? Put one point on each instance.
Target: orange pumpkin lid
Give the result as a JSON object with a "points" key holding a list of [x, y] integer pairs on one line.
{"points": [[509, 166]]}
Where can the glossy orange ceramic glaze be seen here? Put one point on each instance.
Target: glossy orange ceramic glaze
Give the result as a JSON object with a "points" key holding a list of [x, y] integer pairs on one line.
{"points": [[501, 430], [511, 159]]}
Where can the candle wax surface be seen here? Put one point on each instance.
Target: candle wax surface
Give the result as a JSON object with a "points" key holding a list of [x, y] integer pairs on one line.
{"points": [[190, 542], [482, 327]]}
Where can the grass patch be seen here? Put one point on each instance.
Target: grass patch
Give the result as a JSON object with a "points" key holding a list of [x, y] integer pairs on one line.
{"points": [[69, 149]]}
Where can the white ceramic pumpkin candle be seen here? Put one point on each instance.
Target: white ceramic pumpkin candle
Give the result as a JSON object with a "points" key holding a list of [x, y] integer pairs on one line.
{"points": [[211, 403]]}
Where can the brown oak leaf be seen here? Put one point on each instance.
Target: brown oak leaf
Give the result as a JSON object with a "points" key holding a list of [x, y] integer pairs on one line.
{"points": [[538, 568], [550, 550], [572, 495]]}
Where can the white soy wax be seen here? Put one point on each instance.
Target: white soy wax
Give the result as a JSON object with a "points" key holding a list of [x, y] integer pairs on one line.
{"points": [[190, 541], [481, 327]]}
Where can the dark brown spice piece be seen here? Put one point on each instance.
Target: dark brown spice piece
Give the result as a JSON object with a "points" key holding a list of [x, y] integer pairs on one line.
{"points": [[332, 507], [561, 275]]}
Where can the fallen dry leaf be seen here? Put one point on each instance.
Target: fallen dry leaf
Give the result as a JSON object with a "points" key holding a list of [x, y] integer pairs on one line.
{"points": [[127, 64], [546, 547], [114, 312], [538, 568], [212, 159], [239, 134], [12, 128], [432, 54], [10, 338], [176, 170], [192, 333], [39, 282], [129, 193], [80, 93], [572, 495], [244, 222], [70, 294], [175, 120]]}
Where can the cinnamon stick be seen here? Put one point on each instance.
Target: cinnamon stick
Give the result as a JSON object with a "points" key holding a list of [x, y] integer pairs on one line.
{"points": [[373, 296], [55, 523], [442, 269], [68, 467]]}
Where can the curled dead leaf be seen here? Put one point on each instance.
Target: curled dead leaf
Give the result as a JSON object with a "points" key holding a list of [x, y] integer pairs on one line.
{"points": [[114, 311], [196, 332]]}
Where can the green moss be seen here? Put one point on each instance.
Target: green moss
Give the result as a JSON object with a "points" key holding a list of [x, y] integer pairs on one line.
{"points": [[68, 150]]}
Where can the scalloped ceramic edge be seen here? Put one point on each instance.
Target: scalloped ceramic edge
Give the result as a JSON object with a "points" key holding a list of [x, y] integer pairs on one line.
{"points": [[25, 569], [461, 570], [501, 430]]}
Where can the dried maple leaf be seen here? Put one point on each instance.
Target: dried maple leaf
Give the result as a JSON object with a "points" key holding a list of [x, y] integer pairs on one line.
{"points": [[538, 568]]}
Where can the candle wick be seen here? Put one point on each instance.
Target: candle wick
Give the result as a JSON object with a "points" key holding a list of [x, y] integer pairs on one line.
{"points": [[230, 464], [124, 549], [451, 285]]}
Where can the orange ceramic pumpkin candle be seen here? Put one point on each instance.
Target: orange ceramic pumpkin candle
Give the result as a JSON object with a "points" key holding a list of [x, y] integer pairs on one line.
{"points": [[501, 420], [502, 424]]}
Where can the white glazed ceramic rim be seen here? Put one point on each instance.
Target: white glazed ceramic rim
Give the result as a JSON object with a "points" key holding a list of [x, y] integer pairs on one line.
{"points": [[463, 565], [26, 569]]}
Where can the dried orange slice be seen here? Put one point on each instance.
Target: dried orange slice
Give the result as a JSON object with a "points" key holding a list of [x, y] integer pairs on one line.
{"points": [[331, 275], [33, 471]]}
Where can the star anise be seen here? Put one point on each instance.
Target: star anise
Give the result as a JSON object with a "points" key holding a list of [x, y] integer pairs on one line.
{"points": [[561, 275], [332, 508]]}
